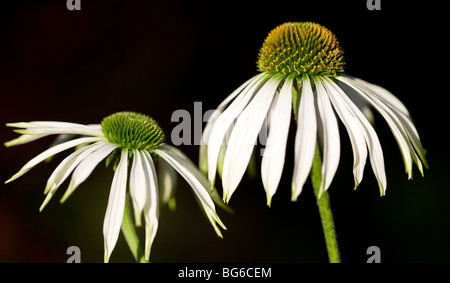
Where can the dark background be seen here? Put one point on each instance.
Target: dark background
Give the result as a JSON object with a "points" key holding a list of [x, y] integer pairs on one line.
{"points": [[155, 57]]}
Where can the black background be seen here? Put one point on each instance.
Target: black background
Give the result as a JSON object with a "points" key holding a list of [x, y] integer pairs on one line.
{"points": [[155, 57]]}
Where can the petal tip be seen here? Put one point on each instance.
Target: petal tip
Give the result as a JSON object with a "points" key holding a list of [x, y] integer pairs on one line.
{"points": [[382, 189], [269, 201]]}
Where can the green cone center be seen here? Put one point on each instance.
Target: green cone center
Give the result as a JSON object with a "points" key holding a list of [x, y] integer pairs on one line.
{"points": [[133, 131], [301, 49]]}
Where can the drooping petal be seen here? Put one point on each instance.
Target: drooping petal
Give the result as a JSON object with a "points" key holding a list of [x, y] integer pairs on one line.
{"points": [[116, 205], [415, 141], [353, 126], [359, 101], [50, 152], [203, 159], [151, 208], [221, 158], [167, 180], [190, 166], [391, 119], [196, 180], [226, 119], [86, 166], [372, 141], [274, 153], [139, 186], [186, 163], [332, 145], [399, 109], [385, 95], [305, 138], [65, 168], [244, 135]]}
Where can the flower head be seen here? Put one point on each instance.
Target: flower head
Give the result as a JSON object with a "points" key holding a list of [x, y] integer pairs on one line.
{"points": [[132, 141], [302, 71]]}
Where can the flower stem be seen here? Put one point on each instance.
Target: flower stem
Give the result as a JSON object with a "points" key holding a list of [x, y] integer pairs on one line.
{"points": [[129, 232], [326, 216]]}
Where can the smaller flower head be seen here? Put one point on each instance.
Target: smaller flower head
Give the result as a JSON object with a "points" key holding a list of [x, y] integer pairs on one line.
{"points": [[133, 131], [133, 142]]}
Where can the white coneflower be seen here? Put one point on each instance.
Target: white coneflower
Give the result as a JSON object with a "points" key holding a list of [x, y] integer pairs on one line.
{"points": [[130, 140], [301, 67]]}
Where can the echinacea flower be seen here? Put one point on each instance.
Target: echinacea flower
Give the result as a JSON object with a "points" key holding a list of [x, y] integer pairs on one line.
{"points": [[302, 71], [132, 141]]}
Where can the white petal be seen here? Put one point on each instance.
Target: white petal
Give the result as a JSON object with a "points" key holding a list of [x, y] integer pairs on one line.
{"points": [[195, 178], [244, 135], [40, 124], [358, 100], [139, 186], [221, 158], [116, 205], [183, 160], [203, 159], [332, 144], [44, 127], [187, 169], [414, 140], [151, 209], [399, 109], [167, 180], [225, 120], [66, 167], [385, 95], [274, 153], [86, 166], [305, 138], [392, 120], [353, 126], [50, 152], [373, 144], [190, 166], [23, 139]]}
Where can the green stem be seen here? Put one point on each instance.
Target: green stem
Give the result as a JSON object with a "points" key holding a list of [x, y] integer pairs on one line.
{"points": [[129, 232], [326, 216]]}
